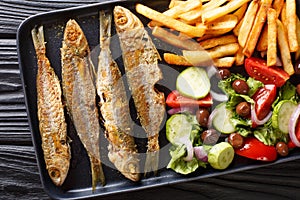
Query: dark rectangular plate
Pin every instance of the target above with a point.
(78, 182)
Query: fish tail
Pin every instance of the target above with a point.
(105, 18)
(97, 172)
(38, 40)
(152, 155)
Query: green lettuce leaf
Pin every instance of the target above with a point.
(179, 165)
(254, 85)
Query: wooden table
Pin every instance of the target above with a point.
(19, 176)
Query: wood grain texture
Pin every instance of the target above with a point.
(19, 175)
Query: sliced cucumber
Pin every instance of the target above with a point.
(221, 119)
(220, 155)
(178, 129)
(282, 114)
(193, 82)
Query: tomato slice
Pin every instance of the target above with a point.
(297, 132)
(255, 149)
(175, 99)
(257, 68)
(264, 97)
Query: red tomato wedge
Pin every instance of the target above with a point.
(256, 150)
(257, 68)
(264, 97)
(175, 99)
(297, 131)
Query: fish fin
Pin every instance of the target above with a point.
(97, 172)
(151, 163)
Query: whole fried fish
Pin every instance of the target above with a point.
(52, 125)
(114, 107)
(78, 82)
(140, 59)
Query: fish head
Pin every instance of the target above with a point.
(125, 20)
(58, 170)
(75, 39)
(127, 163)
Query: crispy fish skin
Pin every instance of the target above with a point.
(52, 125)
(114, 107)
(79, 90)
(140, 59)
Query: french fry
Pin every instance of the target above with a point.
(258, 24)
(167, 21)
(173, 59)
(247, 22)
(224, 62)
(262, 44)
(241, 11)
(207, 36)
(213, 4)
(237, 28)
(216, 52)
(175, 40)
(174, 3)
(192, 16)
(188, 5)
(216, 41)
(284, 49)
(297, 54)
(278, 5)
(231, 6)
(239, 57)
(222, 25)
(198, 58)
(291, 24)
(175, 11)
(272, 37)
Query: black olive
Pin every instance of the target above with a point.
(240, 86)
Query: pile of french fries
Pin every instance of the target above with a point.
(224, 32)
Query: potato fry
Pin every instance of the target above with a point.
(248, 22)
(175, 40)
(231, 6)
(170, 22)
(198, 58)
(207, 36)
(224, 62)
(182, 8)
(239, 57)
(237, 28)
(272, 37)
(213, 4)
(241, 11)
(222, 25)
(223, 50)
(284, 49)
(258, 24)
(173, 59)
(278, 5)
(291, 24)
(262, 44)
(192, 16)
(297, 54)
(216, 41)
(174, 3)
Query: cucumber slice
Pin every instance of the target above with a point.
(282, 114)
(221, 155)
(178, 129)
(221, 119)
(193, 82)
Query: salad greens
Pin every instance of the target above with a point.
(183, 130)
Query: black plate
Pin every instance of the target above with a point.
(78, 181)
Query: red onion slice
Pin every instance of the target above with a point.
(219, 97)
(190, 151)
(200, 153)
(210, 118)
(292, 126)
(255, 119)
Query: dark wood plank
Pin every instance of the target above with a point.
(13, 12)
